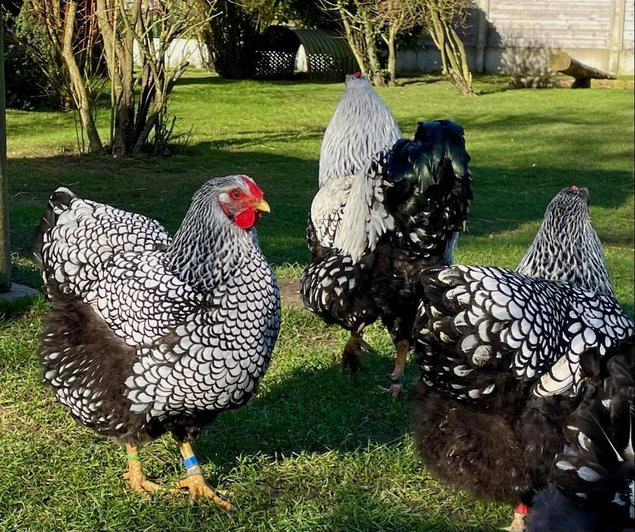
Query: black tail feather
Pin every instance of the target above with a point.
(428, 189)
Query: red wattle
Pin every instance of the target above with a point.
(521, 509)
(247, 219)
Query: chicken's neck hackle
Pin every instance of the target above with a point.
(209, 247)
(566, 247)
(361, 126)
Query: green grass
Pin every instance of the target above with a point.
(313, 450)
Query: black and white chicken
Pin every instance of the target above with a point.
(386, 207)
(149, 334)
(504, 355)
(592, 480)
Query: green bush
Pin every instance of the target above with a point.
(27, 87)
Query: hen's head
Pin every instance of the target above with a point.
(570, 205)
(566, 247)
(215, 234)
(238, 197)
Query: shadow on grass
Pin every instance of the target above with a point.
(11, 311)
(214, 80)
(161, 188)
(311, 411)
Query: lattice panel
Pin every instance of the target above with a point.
(274, 64)
(321, 63)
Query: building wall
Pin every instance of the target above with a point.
(180, 49)
(520, 35)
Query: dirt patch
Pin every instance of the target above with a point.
(290, 292)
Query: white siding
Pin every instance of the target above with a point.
(559, 23)
(629, 22)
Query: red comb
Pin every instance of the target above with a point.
(574, 187)
(356, 75)
(253, 188)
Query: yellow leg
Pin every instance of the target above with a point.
(402, 347)
(195, 481)
(134, 475)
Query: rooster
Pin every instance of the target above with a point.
(385, 208)
(149, 334)
(504, 355)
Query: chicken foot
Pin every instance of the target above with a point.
(397, 376)
(518, 522)
(195, 481)
(354, 349)
(134, 475)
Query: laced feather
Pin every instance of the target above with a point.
(539, 329)
(149, 329)
(566, 247)
(348, 214)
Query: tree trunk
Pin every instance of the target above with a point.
(370, 33)
(458, 62)
(438, 37)
(124, 130)
(120, 62)
(352, 41)
(452, 51)
(392, 56)
(5, 247)
(84, 105)
(564, 63)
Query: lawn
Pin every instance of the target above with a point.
(314, 450)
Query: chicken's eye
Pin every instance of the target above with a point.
(235, 194)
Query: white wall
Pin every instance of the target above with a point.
(189, 49)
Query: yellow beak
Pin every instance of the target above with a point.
(262, 205)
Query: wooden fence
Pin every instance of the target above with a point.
(519, 36)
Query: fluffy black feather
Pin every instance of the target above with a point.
(427, 187)
(593, 477)
(498, 454)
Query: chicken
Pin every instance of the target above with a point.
(386, 207)
(504, 355)
(592, 480)
(149, 334)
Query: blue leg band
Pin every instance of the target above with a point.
(190, 462)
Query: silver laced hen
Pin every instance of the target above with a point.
(503, 355)
(386, 207)
(150, 334)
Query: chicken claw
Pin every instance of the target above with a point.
(518, 522)
(140, 483)
(199, 487)
(354, 350)
(394, 390)
(397, 375)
